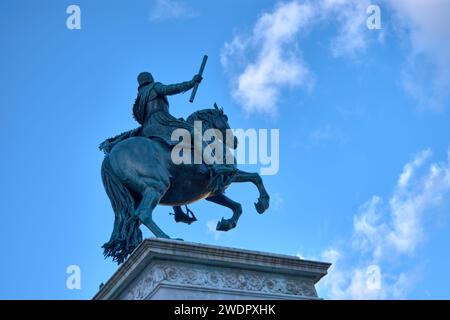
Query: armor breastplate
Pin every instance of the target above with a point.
(155, 104)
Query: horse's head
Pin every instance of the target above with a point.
(215, 119)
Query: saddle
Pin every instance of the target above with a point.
(157, 132)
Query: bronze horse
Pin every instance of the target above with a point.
(138, 174)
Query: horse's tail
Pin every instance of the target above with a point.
(126, 235)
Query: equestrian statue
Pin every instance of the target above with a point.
(138, 171)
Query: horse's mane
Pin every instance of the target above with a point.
(204, 114)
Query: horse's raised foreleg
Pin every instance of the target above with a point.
(227, 224)
(150, 199)
(263, 200)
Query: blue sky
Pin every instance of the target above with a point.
(363, 115)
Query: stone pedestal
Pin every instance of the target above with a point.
(178, 270)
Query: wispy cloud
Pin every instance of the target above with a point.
(325, 133)
(211, 229)
(383, 233)
(162, 10)
(268, 60)
(300, 256)
(422, 24)
(426, 75)
(276, 201)
(351, 17)
(276, 61)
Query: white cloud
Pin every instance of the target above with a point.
(170, 9)
(398, 228)
(425, 23)
(211, 228)
(410, 167)
(278, 63)
(269, 59)
(383, 233)
(325, 133)
(411, 202)
(351, 18)
(276, 201)
(321, 134)
(300, 256)
(426, 76)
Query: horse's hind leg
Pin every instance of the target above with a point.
(263, 200)
(227, 224)
(185, 217)
(150, 199)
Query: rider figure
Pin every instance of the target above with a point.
(151, 107)
(151, 110)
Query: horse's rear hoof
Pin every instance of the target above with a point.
(262, 204)
(225, 225)
(221, 225)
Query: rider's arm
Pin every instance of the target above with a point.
(170, 89)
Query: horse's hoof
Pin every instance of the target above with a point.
(225, 225)
(221, 225)
(262, 204)
(184, 218)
